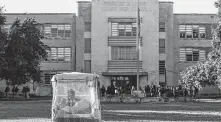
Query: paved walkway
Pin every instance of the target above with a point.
(48, 120)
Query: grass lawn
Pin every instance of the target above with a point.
(39, 111)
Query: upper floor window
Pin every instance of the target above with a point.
(57, 30)
(162, 46)
(161, 67)
(162, 27)
(87, 26)
(59, 55)
(192, 31)
(123, 53)
(87, 45)
(192, 54)
(123, 29)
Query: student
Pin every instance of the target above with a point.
(103, 90)
(7, 89)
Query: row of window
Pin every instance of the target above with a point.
(119, 50)
(192, 54)
(123, 29)
(61, 30)
(51, 30)
(129, 28)
(59, 55)
(192, 31)
(120, 29)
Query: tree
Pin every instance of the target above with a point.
(23, 52)
(3, 38)
(207, 72)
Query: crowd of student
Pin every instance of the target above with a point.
(15, 91)
(152, 91)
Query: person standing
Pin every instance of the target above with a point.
(13, 91)
(7, 89)
(16, 91)
(103, 90)
(26, 91)
(147, 90)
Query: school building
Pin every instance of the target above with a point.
(170, 42)
(102, 40)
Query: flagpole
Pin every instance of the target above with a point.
(138, 43)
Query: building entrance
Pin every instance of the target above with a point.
(124, 81)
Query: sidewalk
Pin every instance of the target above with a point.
(21, 98)
(117, 99)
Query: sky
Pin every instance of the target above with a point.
(70, 6)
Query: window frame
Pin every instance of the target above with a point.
(162, 49)
(123, 29)
(200, 54)
(51, 74)
(119, 53)
(200, 30)
(162, 67)
(87, 45)
(162, 27)
(54, 56)
(48, 30)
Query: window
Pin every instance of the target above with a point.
(162, 46)
(54, 30)
(87, 66)
(202, 32)
(61, 30)
(161, 67)
(195, 31)
(189, 32)
(53, 54)
(162, 27)
(87, 45)
(59, 55)
(182, 31)
(192, 54)
(47, 31)
(87, 26)
(123, 29)
(47, 78)
(192, 31)
(123, 53)
(67, 54)
(49, 75)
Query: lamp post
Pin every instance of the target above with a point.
(138, 44)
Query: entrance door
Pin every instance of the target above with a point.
(122, 81)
